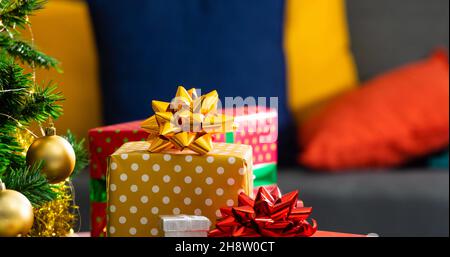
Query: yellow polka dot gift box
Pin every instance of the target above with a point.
(143, 185)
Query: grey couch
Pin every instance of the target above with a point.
(386, 202)
(389, 203)
(406, 202)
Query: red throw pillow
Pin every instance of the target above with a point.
(398, 116)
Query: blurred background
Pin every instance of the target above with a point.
(363, 91)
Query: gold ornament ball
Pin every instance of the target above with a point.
(57, 154)
(16, 213)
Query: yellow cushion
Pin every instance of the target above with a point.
(319, 62)
(63, 30)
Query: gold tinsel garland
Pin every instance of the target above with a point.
(58, 217)
(24, 138)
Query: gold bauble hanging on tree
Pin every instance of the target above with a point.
(16, 213)
(57, 154)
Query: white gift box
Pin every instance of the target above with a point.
(184, 225)
(186, 234)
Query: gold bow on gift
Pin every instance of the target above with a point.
(186, 122)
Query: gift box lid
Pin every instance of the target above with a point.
(230, 151)
(178, 223)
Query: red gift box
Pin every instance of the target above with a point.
(256, 128)
(105, 141)
(98, 219)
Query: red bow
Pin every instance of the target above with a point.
(269, 215)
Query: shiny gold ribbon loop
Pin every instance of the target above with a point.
(186, 122)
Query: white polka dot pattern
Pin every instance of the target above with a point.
(166, 178)
(144, 199)
(145, 178)
(177, 168)
(134, 167)
(199, 169)
(198, 190)
(145, 185)
(177, 189)
(166, 200)
(113, 166)
(209, 180)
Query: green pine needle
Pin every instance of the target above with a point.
(14, 12)
(26, 53)
(43, 104)
(9, 148)
(81, 153)
(30, 182)
(15, 86)
(21, 99)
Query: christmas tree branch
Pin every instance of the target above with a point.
(9, 147)
(43, 104)
(26, 53)
(13, 78)
(82, 156)
(31, 183)
(32, 103)
(15, 12)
